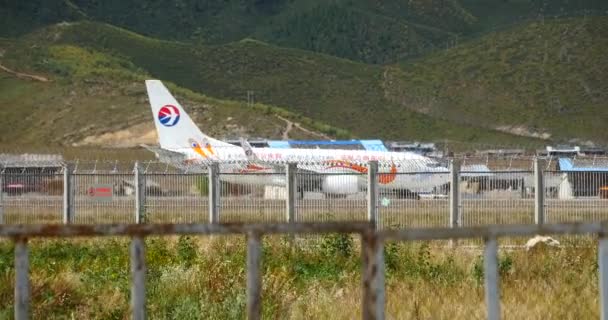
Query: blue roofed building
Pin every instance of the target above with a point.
(586, 175)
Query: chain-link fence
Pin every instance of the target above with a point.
(469, 192)
(498, 197)
(417, 207)
(252, 197)
(31, 197)
(330, 197)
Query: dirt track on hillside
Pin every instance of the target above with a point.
(290, 125)
(22, 75)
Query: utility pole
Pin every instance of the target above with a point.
(250, 98)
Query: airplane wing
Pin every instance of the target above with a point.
(176, 159)
(257, 162)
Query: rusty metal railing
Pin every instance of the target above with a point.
(372, 244)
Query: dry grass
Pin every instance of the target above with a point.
(204, 278)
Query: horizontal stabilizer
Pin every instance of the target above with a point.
(165, 155)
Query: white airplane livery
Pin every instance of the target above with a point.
(339, 172)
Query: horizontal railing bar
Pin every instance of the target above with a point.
(253, 174)
(73, 230)
(185, 174)
(413, 173)
(156, 173)
(102, 174)
(493, 174)
(582, 170)
(494, 231)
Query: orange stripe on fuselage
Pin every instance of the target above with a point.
(383, 178)
(386, 178)
(197, 148)
(210, 149)
(346, 165)
(200, 151)
(252, 168)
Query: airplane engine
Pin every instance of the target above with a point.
(340, 184)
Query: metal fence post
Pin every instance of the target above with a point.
(603, 277)
(214, 193)
(290, 171)
(455, 218)
(140, 194)
(22, 286)
(138, 272)
(539, 193)
(254, 277)
(68, 194)
(372, 193)
(490, 261)
(372, 252)
(1, 197)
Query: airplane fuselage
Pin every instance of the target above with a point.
(345, 170)
(332, 171)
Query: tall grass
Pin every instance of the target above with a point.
(319, 278)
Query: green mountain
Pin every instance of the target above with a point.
(68, 95)
(546, 78)
(362, 30)
(350, 95)
(532, 82)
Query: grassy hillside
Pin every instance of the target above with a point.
(366, 31)
(362, 30)
(344, 93)
(306, 82)
(491, 14)
(548, 77)
(91, 94)
(515, 82)
(358, 30)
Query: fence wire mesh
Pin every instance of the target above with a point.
(118, 208)
(31, 197)
(417, 207)
(490, 191)
(498, 197)
(176, 198)
(330, 197)
(243, 198)
(576, 196)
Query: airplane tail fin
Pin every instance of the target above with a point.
(175, 128)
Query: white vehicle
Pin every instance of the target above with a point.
(338, 172)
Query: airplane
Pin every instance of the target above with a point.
(334, 172)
